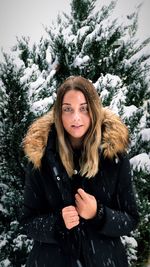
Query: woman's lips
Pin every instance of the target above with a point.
(76, 126)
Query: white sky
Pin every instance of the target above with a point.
(27, 17)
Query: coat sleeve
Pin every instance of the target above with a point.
(123, 219)
(39, 221)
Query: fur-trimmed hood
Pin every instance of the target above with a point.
(115, 137)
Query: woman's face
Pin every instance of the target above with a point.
(75, 116)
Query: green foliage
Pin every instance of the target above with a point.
(141, 179)
(15, 118)
(14, 109)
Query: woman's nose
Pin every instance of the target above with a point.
(76, 116)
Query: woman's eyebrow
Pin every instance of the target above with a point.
(83, 103)
(70, 104)
(66, 104)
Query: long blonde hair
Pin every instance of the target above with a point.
(89, 161)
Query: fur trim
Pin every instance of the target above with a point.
(34, 143)
(115, 136)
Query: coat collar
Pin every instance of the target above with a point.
(115, 136)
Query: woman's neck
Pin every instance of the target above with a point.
(76, 143)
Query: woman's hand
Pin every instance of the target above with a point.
(86, 204)
(70, 216)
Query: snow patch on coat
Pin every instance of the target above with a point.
(115, 136)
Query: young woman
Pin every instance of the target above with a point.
(78, 198)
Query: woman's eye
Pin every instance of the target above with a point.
(67, 109)
(84, 109)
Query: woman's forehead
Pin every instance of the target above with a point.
(73, 96)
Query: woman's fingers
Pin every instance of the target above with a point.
(86, 204)
(86, 207)
(69, 208)
(83, 195)
(70, 216)
(71, 225)
(78, 197)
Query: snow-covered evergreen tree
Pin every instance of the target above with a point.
(95, 44)
(15, 117)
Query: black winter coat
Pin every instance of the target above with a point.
(95, 242)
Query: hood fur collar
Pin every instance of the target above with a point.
(114, 136)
